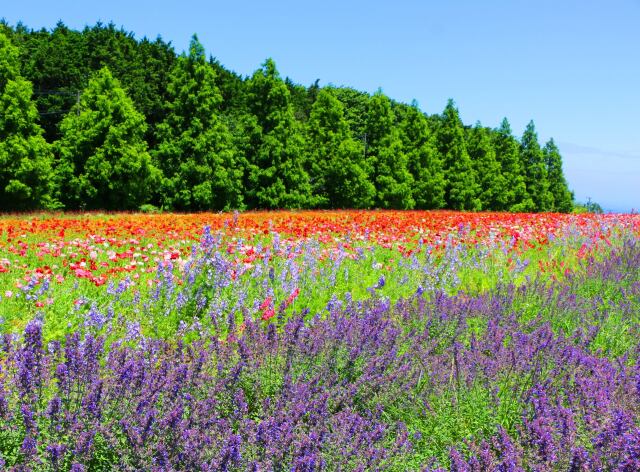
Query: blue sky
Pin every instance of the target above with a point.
(573, 66)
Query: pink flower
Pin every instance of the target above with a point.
(8, 294)
(268, 314)
(293, 296)
(83, 273)
(266, 303)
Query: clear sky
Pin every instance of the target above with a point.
(573, 66)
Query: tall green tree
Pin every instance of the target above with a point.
(102, 155)
(562, 196)
(156, 59)
(423, 160)
(142, 67)
(61, 61)
(337, 168)
(535, 170)
(488, 170)
(25, 156)
(302, 98)
(221, 137)
(9, 61)
(462, 190)
(514, 196)
(231, 85)
(278, 177)
(356, 104)
(55, 62)
(195, 149)
(386, 157)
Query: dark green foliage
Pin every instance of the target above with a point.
(514, 196)
(9, 61)
(224, 141)
(386, 157)
(25, 156)
(60, 63)
(195, 148)
(149, 91)
(55, 63)
(462, 190)
(302, 98)
(142, 67)
(535, 170)
(278, 178)
(356, 104)
(231, 86)
(337, 166)
(423, 161)
(488, 171)
(102, 155)
(562, 197)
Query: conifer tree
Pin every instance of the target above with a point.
(535, 170)
(461, 190)
(562, 197)
(9, 61)
(25, 157)
(385, 155)
(355, 104)
(229, 142)
(424, 163)
(490, 178)
(103, 160)
(514, 196)
(56, 61)
(277, 177)
(337, 167)
(195, 147)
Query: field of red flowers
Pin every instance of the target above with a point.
(351, 339)
(100, 247)
(60, 260)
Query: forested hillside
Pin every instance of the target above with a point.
(97, 119)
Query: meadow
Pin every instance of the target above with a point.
(320, 340)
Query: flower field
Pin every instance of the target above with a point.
(320, 341)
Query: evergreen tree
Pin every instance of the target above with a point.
(55, 63)
(562, 197)
(337, 167)
(356, 104)
(156, 60)
(103, 160)
(462, 189)
(385, 156)
(535, 170)
(9, 61)
(60, 62)
(231, 86)
(278, 178)
(424, 163)
(142, 67)
(490, 178)
(514, 196)
(227, 142)
(302, 98)
(25, 157)
(195, 147)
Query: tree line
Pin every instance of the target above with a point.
(96, 119)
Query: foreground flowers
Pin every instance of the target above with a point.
(262, 352)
